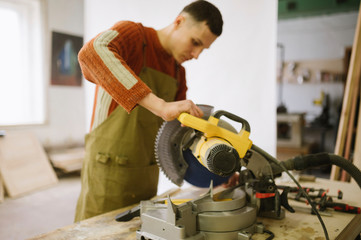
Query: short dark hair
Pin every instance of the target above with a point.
(201, 11)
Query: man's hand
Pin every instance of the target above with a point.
(232, 181)
(169, 111)
(172, 110)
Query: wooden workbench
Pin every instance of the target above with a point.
(300, 225)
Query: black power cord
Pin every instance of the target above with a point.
(270, 233)
(314, 209)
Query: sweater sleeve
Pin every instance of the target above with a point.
(103, 61)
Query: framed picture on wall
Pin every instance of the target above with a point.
(65, 69)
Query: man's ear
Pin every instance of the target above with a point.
(179, 21)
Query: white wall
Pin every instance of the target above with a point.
(315, 38)
(66, 104)
(236, 74)
(321, 37)
(65, 114)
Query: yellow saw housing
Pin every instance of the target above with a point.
(215, 137)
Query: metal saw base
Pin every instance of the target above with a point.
(225, 215)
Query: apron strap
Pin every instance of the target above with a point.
(176, 65)
(177, 73)
(144, 44)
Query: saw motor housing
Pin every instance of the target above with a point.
(217, 155)
(219, 149)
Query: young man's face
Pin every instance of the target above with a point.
(190, 38)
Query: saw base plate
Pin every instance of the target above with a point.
(225, 215)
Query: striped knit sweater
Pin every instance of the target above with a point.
(113, 61)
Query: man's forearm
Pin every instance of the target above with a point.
(153, 104)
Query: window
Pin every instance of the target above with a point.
(22, 62)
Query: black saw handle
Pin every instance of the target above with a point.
(245, 124)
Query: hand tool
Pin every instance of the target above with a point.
(326, 202)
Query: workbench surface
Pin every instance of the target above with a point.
(299, 225)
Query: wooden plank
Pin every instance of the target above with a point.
(24, 165)
(2, 192)
(98, 227)
(295, 226)
(350, 129)
(335, 67)
(352, 77)
(357, 152)
(285, 153)
(68, 160)
(103, 226)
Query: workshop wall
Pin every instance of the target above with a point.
(321, 37)
(315, 61)
(66, 104)
(65, 113)
(317, 39)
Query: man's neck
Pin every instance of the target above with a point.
(164, 37)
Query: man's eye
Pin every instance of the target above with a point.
(195, 43)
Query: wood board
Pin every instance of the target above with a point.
(68, 160)
(353, 77)
(2, 192)
(357, 153)
(24, 166)
(296, 226)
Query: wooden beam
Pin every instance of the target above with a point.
(2, 193)
(24, 165)
(350, 129)
(357, 152)
(352, 77)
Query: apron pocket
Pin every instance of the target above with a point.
(102, 157)
(121, 160)
(119, 186)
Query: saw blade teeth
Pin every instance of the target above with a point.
(166, 154)
(156, 150)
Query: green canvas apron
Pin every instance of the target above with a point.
(119, 168)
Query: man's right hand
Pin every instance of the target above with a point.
(169, 111)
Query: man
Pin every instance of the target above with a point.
(134, 65)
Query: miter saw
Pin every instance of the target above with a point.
(205, 152)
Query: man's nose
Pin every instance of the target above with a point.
(196, 52)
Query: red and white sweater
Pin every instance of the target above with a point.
(113, 60)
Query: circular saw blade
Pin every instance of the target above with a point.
(179, 164)
(168, 150)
